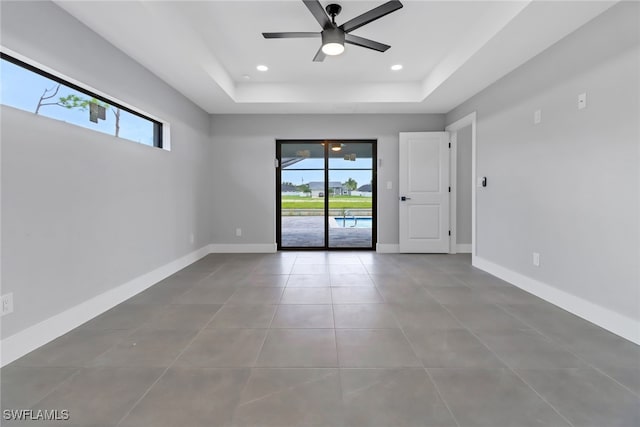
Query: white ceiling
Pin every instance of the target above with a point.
(450, 50)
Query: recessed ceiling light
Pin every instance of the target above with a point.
(246, 77)
(262, 68)
(396, 67)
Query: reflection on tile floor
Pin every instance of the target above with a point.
(332, 339)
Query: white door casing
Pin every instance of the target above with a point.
(424, 183)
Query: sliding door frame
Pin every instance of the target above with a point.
(374, 195)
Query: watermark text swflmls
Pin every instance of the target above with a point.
(35, 414)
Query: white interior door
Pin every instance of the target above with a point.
(424, 192)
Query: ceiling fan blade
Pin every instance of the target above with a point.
(362, 42)
(291, 35)
(318, 12)
(319, 56)
(372, 15)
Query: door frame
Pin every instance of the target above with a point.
(374, 190)
(453, 128)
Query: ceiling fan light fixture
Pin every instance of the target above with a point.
(332, 41)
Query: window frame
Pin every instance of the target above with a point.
(158, 126)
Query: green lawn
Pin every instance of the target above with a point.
(337, 202)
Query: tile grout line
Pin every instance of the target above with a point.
(286, 389)
(335, 332)
(275, 312)
(335, 340)
(444, 401)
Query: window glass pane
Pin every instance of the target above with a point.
(30, 91)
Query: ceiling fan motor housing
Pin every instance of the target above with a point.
(333, 35)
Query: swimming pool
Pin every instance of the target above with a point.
(357, 222)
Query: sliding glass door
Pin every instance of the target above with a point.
(326, 194)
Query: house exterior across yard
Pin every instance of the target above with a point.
(317, 188)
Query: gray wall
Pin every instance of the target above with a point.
(567, 188)
(463, 186)
(84, 212)
(244, 173)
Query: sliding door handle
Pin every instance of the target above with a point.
(404, 198)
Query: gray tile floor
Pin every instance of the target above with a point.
(332, 339)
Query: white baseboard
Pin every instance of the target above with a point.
(614, 322)
(463, 248)
(27, 340)
(250, 248)
(387, 248)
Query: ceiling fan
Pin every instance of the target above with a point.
(333, 36)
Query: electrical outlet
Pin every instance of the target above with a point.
(537, 117)
(238, 232)
(536, 259)
(582, 101)
(6, 306)
(389, 185)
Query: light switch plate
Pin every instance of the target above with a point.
(536, 259)
(6, 304)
